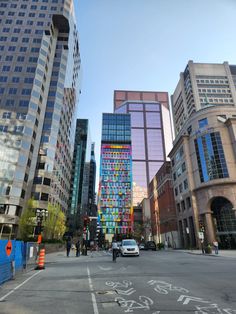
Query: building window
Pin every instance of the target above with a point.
(176, 191)
(180, 188)
(188, 201)
(6, 115)
(185, 184)
(202, 123)
(183, 205)
(44, 197)
(210, 157)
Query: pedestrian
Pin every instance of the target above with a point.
(215, 244)
(68, 247)
(202, 246)
(166, 245)
(114, 250)
(77, 246)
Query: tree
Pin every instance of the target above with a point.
(138, 231)
(55, 225)
(27, 221)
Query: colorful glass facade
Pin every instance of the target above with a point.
(115, 213)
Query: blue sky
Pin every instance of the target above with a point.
(144, 45)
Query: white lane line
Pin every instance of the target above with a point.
(95, 307)
(10, 292)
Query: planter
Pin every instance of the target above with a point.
(208, 250)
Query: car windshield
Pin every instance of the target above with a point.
(129, 242)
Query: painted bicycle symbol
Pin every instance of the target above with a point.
(163, 287)
(131, 305)
(117, 284)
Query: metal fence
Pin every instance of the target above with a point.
(16, 256)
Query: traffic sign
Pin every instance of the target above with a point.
(8, 248)
(201, 235)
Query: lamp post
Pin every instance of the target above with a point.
(40, 215)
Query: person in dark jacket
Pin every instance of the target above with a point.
(77, 245)
(68, 247)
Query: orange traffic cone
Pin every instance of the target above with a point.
(41, 259)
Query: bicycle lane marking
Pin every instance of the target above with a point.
(20, 285)
(94, 301)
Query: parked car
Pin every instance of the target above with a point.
(142, 246)
(150, 245)
(129, 247)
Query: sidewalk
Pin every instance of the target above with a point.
(222, 253)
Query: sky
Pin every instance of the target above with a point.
(144, 45)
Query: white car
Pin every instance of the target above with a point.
(129, 247)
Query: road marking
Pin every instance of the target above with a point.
(189, 298)
(10, 292)
(131, 305)
(127, 292)
(95, 307)
(105, 268)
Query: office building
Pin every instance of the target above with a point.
(115, 185)
(204, 154)
(151, 135)
(39, 85)
(82, 193)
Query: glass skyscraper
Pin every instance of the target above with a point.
(115, 213)
(39, 77)
(82, 194)
(150, 134)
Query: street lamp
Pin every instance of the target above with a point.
(40, 215)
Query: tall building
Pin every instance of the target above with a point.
(82, 193)
(151, 135)
(39, 83)
(204, 154)
(115, 197)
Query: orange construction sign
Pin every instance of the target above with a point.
(8, 248)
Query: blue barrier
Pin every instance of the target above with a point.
(12, 258)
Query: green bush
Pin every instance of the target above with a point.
(160, 246)
(208, 249)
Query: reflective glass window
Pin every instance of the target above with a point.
(210, 157)
(138, 107)
(153, 120)
(137, 119)
(139, 173)
(155, 145)
(138, 144)
(152, 107)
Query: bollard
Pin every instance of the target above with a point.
(41, 260)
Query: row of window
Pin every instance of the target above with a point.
(19, 115)
(182, 187)
(213, 81)
(213, 91)
(17, 128)
(184, 204)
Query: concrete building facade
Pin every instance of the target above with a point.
(203, 156)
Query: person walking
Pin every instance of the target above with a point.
(114, 250)
(202, 246)
(77, 246)
(216, 246)
(68, 247)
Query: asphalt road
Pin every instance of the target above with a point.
(155, 282)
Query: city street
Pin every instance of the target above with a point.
(155, 282)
